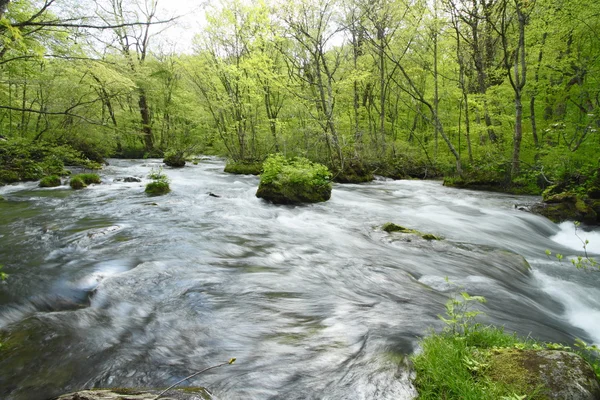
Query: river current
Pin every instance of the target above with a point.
(108, 287)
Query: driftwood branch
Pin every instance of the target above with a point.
(193, 375)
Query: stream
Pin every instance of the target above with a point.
(108, 287)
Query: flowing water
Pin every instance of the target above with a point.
(111, 288)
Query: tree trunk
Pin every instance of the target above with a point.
(146, 123)
(516, 163)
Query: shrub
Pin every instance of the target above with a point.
(50, 181)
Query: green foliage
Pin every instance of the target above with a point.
(584, 262)
(174, 158)
(456, 363)
(157, 188)
(3, 275)
(77, 182)
(90, 178)
(291, 181)
(591, 353)
(160, 183)
(50, 181)
(298, 170)
(243, 167)
(21, 160)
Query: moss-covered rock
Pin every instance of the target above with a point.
(50, 181)
(568, 205)
(175, 159)
(157, 188)
(549, 373)
(244, 167)
(81, 181)
(90, 178)
(21, 160)
(294, 181)
(77, 182)
(353, 172)
(390, 227)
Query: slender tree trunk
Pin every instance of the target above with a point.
(146, 122)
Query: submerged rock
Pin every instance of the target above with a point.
(128, 179)
(554, 375)
(134, 394)
(390, 227)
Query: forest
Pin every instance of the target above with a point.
(504, 92)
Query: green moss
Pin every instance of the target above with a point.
(89, 178)
(175, 159)
(50, 181)
(507, 367)
(2, 198)
(244, 167)
(157, 188)
(390, 227)
(294, 181)
(77, 182)
(354, 172)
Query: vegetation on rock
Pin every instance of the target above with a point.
(77, 182)
(50, 181)
(293, 181)
(390, 227)
(21, 160)
(159, 185)
(175, 159)
(244, 167)
(471, 361)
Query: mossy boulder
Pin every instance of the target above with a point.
(50, 181)
(244, 167)
(175, 159)
(549, 373)
(353, 172)
(294, 181)
(77, 183)
(568, 205)
(390, 227)
(157, 188)
(81, 181)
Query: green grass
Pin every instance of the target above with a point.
(459, 366)
(157, 188)
(90, 178)
(77, 182)
(50, 181)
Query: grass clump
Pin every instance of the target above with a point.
(50, 181)
(460, 362)
(159, 185)
(77, 182)
(81, 181)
